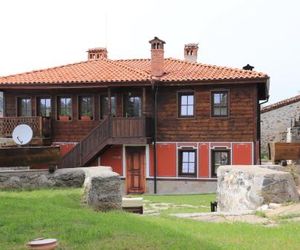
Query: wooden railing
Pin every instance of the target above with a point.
(98, 138)
(41, 126)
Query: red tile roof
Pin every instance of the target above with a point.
(136, 70)
(281, 104)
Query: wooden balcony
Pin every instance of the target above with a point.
(112, 130)
(41, 127)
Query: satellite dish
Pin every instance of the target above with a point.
(22, 134)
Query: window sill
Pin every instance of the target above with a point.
(188, 176)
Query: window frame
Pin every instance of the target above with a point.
(58, 106)
(179, 104)
(38, 98)
(19, 98)
(92, 116)
(213, 160)
(213, 106)
(180, 162)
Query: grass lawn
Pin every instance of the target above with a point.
(58, 213)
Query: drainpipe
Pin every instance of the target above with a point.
(259, 126)
(154, 93)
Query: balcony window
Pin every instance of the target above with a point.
(64, 108)
(44, 107)
(104, 106)
(85, 107)
(132, 105)
(1, 104)
(24, 107)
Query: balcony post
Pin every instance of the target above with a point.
(109, 100)
(144, 102)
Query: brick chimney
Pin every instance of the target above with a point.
(157, 57)
(97, 53)
(191, 52)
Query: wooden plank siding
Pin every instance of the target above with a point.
(240, 125)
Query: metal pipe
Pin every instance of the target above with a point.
(259, 126)
(154, 91)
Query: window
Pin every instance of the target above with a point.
(64, 108)
(104, 106)
(132, 105)
(187, 163)
(85, 107)
(186, 104)
(220, 103)
(219, 157)
(24, 106)
(44, 107)
(1, 104)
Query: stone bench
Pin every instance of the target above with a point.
(134, 205)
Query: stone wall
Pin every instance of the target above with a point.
(32, 179)
(275, 122)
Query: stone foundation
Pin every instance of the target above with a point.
(177, 186)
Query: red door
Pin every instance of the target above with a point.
(135, 164)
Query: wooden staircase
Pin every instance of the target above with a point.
(112, 130)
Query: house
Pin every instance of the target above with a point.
(280, 122)
(164, 124)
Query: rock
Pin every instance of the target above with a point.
(263, 208)
(274, 205)
(102, 190)
(273, 167)
(249, 187)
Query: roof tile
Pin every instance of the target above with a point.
(135, 70)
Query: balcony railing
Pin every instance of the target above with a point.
(41, 126)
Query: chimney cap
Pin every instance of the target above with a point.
(97, 49)
(191, 45)
(248, 67)
(156, 39)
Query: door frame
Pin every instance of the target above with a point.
(147, 163)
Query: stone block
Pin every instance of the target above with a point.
(102, 191)
(242, 188)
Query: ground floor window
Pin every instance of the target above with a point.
(219, 157)
(187, 163)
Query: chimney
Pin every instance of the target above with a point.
(191, 52)
(157, 57)
(97, 53)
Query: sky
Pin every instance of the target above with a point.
(37, 34)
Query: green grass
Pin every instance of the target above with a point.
(58, 213)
